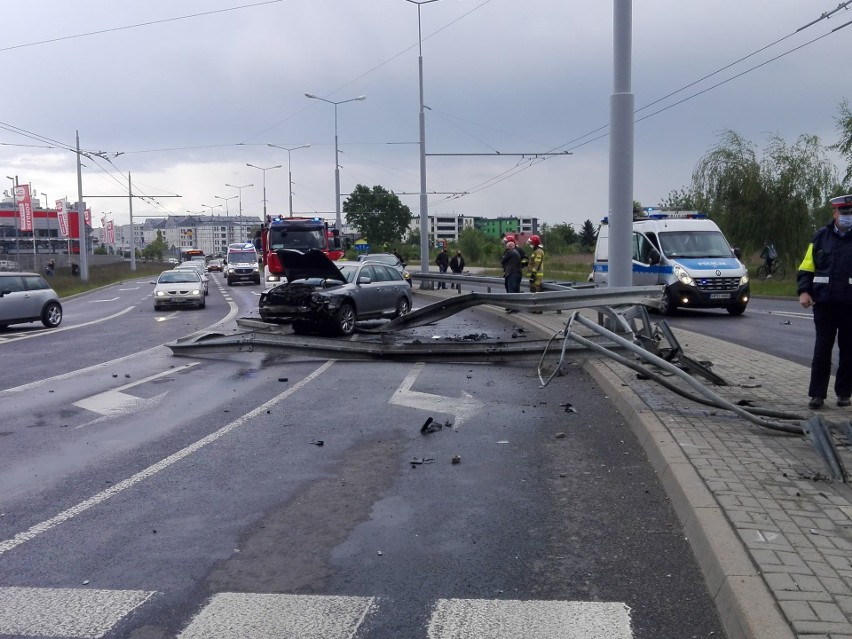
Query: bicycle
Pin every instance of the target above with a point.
(778, 271)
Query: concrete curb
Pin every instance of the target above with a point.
(745, 604)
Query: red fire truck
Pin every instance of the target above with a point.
(300, 234)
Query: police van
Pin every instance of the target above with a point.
(687, 254)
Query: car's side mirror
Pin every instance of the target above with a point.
(152, 282)
(364, 280)
(653, 257)
(736, 252)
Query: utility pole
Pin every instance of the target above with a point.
(81, 218)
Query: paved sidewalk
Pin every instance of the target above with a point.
(771, 534)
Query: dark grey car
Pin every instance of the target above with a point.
(27, 297)
(321, 295)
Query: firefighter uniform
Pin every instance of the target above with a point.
(825, 282)
(536, 269)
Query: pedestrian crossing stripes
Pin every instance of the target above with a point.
(85, 614)
(65, 612)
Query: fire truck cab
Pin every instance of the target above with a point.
(295, 233)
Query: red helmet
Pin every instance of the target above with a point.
(535, 240)
(509, 238)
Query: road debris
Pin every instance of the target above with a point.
(569, 408)
(416, 461)
(318, 442)
(456, 459)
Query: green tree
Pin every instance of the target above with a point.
(682, 200)
(155, 249)
(378, 214)
(780, 196)
(476, 246)
(844, 144)
(588, 235)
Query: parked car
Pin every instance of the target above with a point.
(215, 265)
(200, 269)
(179, 287)
(325, 296)
(27, 297)
(9, 265)
(389, 259)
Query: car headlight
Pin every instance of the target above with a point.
(684, 277)
(318, 299)
(272, 278)
(744, 280)
(160, 293)
(196, 291)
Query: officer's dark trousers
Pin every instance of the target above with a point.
(832, 320)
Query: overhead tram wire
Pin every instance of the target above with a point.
(516, 170)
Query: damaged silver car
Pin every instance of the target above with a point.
(329, 297)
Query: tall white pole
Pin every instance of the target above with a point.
(424, 202)
(81, 218)
(621, 150)
(132, 229)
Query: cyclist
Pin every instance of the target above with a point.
(769, 255)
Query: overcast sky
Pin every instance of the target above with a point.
(189, 91)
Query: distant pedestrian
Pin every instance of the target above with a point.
(457, 266)
(50, 269)
(825, 283)
(443, 262)
(769, 255)
(399, 257)
(535, 267)
(511, 262)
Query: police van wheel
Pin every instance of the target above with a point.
(736, 309)
(667, 304)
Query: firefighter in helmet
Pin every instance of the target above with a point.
(535, 267)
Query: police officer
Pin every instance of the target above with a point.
(825, 283)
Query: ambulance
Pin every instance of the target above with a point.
(687, 254)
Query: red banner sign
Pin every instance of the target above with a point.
(62, 216)
(25, 207)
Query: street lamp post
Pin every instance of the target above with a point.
(289, 171)
(227, 211)
(360, 98)
(269, 168)
(240, 191)
(424, 220)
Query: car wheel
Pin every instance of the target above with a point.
(736, 309)
(403, 307)
(229, 281)
(667, 304)
(344, 319)
(156, 307)
(51, 316)
(202, 304)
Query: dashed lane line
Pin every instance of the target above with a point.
(70, 513)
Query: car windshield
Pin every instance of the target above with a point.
(383, 259)
(694, 244)
(175, 277)
(296, 238)
(348, 272)
(242, 257)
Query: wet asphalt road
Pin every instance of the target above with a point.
(202, 475)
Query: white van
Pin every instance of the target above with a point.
(241, 264)
(686, 253)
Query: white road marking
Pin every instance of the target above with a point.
(135, 288)
(497, 619)
(98, 301)
(65, 612)
(232, 615)
(50, 331)
(462, 408)
(115, 402)
(166, 318)
(102, 496)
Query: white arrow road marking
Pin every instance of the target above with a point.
(115, 403)
(462, 408)
(166, 318)
(97, 301)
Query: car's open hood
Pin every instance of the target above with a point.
(313, 263)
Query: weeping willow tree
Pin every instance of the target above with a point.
(780, 195)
